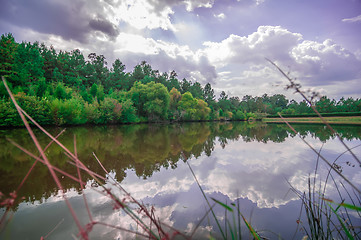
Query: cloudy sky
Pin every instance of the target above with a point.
(224, 42)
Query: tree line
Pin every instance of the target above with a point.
(65, 88)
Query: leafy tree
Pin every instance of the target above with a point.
(8, 114)
(239, 115)
(95, 70)
(86, 96)
(8, 48)
(235, 103)
(185, 86)
(100, 93)
(116, 78)
(110, 111)
(203, 110)
(57, 75)
(41, 87)
(28, 65)
(325, 105)
(224, 104)
(129, 113)
(68, 111)
(208, 93)
(196, 90)
(279, 100)
(151, 100)
(172, 81)
(49, 56)
(141, 70)
(223, 96)
(94, 90)
(175, 97)
(61, 91)
(187, 106)
(38, 108)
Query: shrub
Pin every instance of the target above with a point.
(92, 112)
(37, 108)
(110, 111)
(239, 115)
(8, 114)
(68, 112)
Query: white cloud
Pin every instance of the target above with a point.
(352, 20)
(314, 63)
(142, 14)
(192, 4)
(269, 41)
(220, 16)
(322, 63)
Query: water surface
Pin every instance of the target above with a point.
(253, 165)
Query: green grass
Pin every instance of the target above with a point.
(330, 120)
(333, 114)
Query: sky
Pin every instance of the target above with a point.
(223, 42)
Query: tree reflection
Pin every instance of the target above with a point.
(143, 148)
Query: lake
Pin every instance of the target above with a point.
(252, 165)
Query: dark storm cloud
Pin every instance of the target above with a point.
(104, 26)
(44, 17)
(68, 19)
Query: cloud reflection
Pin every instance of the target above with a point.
(254, 173)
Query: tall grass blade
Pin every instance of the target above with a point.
(223, 204)
(253, 232)
(209, 205)
(346, 205)
(348, 234)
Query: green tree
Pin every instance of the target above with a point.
(116, 79)
(187, 106)
(325, 105)
(172, 82)
(203, 110)
(61, 92)
(8, 48)
(151, 100)
(96, 70)
(196, 90)
(208, 93)
(41, 87)
(175, 97)
(110, 111)
(185, 86)
(94, 90)
(28, 65)
(49, 56)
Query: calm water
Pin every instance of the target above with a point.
(252, 164)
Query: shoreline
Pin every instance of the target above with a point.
(354, 120)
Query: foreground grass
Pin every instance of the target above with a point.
(331, 120)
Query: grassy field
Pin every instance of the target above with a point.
(332, 120)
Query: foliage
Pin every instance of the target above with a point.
(151, 100)
(143, 94)
(68, 111)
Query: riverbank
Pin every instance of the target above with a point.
(353, 120)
